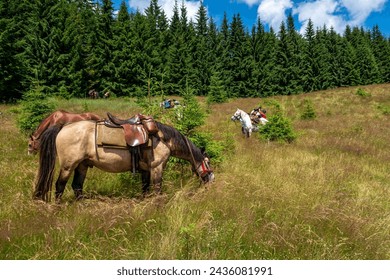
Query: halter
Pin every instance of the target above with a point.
(205, 168)
(237, 117)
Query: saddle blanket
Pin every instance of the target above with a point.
(110, 136)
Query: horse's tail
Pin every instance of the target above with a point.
(47, 161)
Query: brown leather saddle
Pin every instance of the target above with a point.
(136, 129)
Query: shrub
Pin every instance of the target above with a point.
(361, 92)
(191, 115)
(278, 128)
(34, 107)
(215, 150)
(308, 110)
(384, 109)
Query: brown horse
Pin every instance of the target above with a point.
(58, 117)
(80, 152)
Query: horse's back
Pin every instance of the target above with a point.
(76, 142)
(76, 139)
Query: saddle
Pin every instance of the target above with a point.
(136, 129)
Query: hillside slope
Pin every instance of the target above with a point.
(324, 196)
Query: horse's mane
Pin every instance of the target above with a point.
(179, 140)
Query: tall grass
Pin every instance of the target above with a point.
(324, 196)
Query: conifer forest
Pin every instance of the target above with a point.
(68, 47)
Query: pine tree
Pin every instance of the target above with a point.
(178, 54)
(122, 53)
(309, 58)
(238, 58)
(191, 115)
(217, 93)
(322, 57)
(222, 55)
(381, 52)
(365, 60)
(280, 74)
(295, 56)
(201, 53)
(13, 62)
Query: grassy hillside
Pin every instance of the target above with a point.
(324, 196)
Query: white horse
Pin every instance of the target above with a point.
(245, 121)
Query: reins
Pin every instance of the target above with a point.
(193, 159)
(192, 155)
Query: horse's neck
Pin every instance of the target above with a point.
(42, 127)
(185, 152)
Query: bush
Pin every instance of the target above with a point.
(34, 108)
(215, 150)
(308, 110)
(277, 129)
(361, 92)
(190, 116)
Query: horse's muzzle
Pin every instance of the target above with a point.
(208, 178)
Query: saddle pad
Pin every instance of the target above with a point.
(109, 136)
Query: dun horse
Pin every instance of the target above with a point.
(58, 117)
(81, 152)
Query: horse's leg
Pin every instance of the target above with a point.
(156, 177)
(78, 180)
(63, 178)
(145, 181)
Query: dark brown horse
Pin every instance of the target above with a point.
(58, 117)
(93, 94)
(79, 153)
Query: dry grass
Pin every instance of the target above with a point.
(325, 196)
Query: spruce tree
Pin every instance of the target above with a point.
(122, 53)
(381, 52)
(13, 63)
(201, 53)
(217, 93)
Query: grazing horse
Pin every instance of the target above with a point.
(258, 116)
(106, 94)
(76, 148)
(245, 121)
(58, 117)
(93, 94)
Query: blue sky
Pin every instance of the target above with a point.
(336, 13)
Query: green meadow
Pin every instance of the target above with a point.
(324, 196)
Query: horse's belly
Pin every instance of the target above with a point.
(112, 160)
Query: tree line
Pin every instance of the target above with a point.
(68, 47)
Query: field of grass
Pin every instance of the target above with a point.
(324, 196)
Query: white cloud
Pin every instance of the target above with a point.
(273, 12)
(167, 6)
(335, 13)
(361, 9)
(321, 12)
(250, 3)
(141, 5)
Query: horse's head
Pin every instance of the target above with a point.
(204, 170)
(236, 116)
(33, 145)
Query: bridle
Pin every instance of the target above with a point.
(206, 170)
(236, 117)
